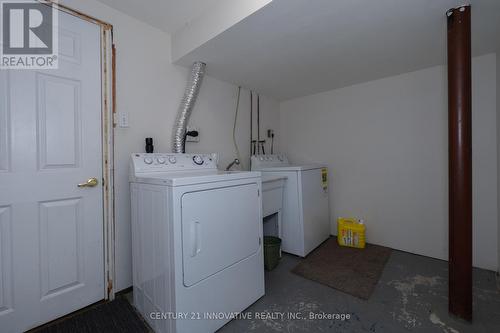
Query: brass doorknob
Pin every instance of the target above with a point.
(91, 182)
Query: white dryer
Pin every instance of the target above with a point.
(306, 214)
(196, 239)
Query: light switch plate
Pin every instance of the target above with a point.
(123, 120)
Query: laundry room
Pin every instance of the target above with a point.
(249, 166)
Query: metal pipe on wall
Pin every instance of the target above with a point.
(186, 107)
(460, 161)
(258, 124)
(251, 122)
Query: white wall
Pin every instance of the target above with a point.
(212, 22)
(385, 143)
(214, 114)
(149, 89)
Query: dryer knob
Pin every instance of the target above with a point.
(172, 159)
(160, 160)
(148, 160)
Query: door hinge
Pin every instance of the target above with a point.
(258, 192)
(260, 240)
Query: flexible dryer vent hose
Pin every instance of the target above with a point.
(186, 107)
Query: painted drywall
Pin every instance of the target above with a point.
(166, 15)
(385, 143)
(212, 22)
(294, 48)
(214, 114)
(149, 89)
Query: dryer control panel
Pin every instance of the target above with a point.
(268, 161)
(169, 162)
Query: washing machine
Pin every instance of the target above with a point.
(306, 215)
(196, 241)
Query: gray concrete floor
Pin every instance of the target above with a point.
(410, 296)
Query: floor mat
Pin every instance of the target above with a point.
(353, 271)
(117, 316)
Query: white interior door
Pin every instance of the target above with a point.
(51, 231)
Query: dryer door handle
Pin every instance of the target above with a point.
(195, 238)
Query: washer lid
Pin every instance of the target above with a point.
(181, 178)
(294, 167)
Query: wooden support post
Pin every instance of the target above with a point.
(460, 162)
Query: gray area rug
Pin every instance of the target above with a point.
(353, 271)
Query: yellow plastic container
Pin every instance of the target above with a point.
(351, 232)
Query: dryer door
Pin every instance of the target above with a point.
(220, 227)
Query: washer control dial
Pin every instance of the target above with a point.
(172, 159)
(148, 160)
(160, 160)
(198, 160)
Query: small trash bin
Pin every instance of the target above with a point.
(272, 252)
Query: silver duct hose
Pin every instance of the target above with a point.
(187, 104)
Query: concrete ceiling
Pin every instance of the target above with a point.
(292, 48)
(167, 15)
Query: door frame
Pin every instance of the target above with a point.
(108, 105)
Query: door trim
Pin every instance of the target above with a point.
(108, 103)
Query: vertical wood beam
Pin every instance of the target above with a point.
(460, 162)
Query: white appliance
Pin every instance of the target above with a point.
(196, 239)
(306, 214)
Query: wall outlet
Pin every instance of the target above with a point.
(192, 138)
